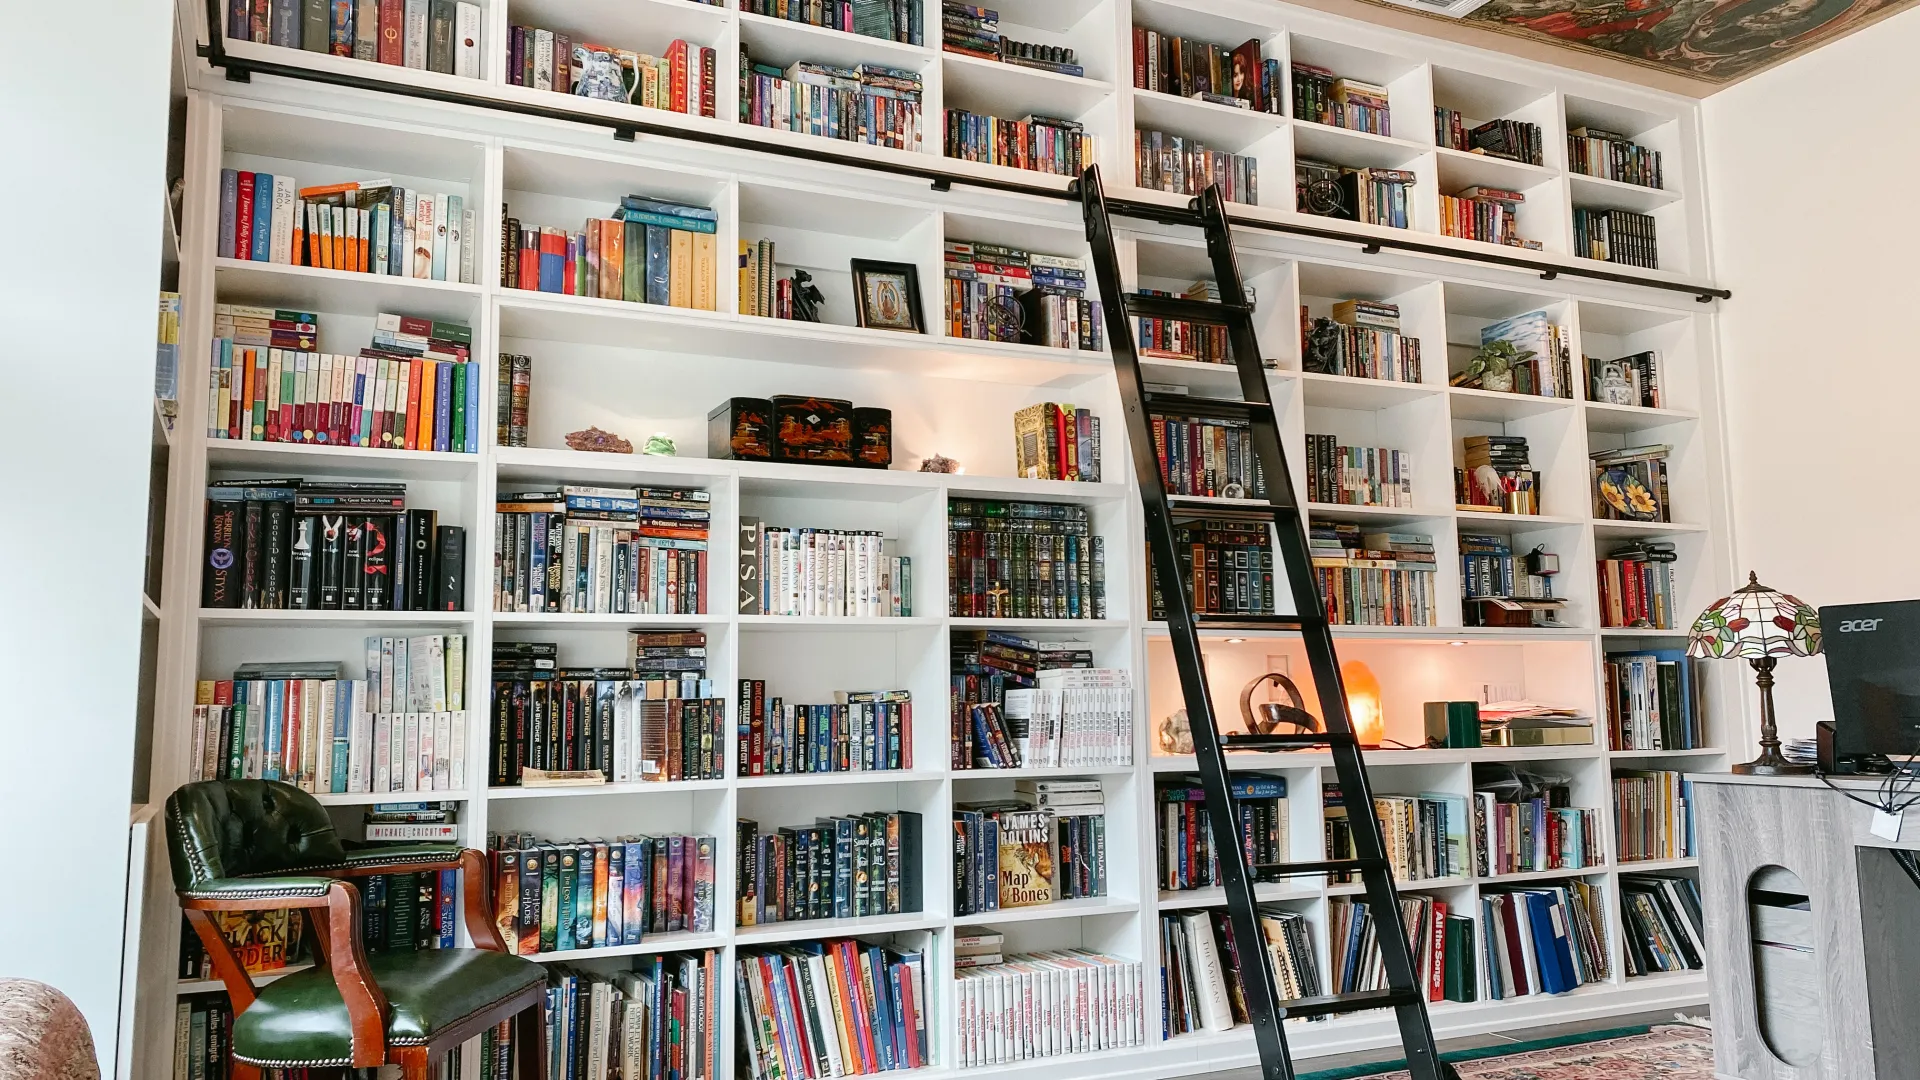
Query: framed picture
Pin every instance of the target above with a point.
(887, 296)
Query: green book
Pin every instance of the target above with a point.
(403, 900)
(569, 875)
(1461, 976)
(549, 898)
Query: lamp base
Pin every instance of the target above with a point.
(1771, 763)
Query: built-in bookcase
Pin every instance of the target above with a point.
(638, 369)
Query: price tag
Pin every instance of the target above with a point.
(1887, 826)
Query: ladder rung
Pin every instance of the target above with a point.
(1179, 307)
(1358, 1001)
(1209, 621)
(1268, 871)
(1187, 506)
(1288, 740)
(1187, 405)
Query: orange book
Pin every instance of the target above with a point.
(413, 404)
(429, 373)
(324, 190)
(677, 63)
(612, 243)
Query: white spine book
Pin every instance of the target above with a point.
(409, 757)
(623, 733)
(424, 227)
(403, 676)
(414, 51)
(817, 972)
(543, 59)
(322, 764)
(455, 218)
(383, 752)
(309, 731)
(456, 670)
(466, 44)
(1209, 979)
(199, 758)
(437, 672)
(469, 247)
(285, 203)
(443, 751)
(440, 237)
(407, 205)
(360, 746)
(419, 677)
(457, 755)
(256, 728)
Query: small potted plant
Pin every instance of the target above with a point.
(1492, 367)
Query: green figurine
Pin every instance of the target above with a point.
(659, 444)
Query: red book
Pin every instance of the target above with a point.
(1140, 57)
(677, 65)
(1437, 961)
(529, 260)
(709, 81)
(243, 219)
(789, 969)
(393, 19)
(411, 439)
(903, 990)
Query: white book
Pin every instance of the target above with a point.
(414, 52)
(409, 209)
(439, 272)
(437, 672)
(456, 213)
(309, 731)
(443, 751)
(456, 670)
(321, 768)
(360, 744)
(383, 701)
(623, 733)
(468, 247)
(457, 753)
(410, 751)
(817, 973)
(424, 227)
(466, 57)
(1209, 979)
(199, 751)
(419, 680)
(382, 752)
(285, 202)
(632, 1035)
(350, 225)
(256, 728)
(543, 60)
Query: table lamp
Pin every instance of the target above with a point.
(1759, 625)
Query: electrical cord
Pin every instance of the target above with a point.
(1893, 790)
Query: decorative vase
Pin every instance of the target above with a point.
(1501, 383)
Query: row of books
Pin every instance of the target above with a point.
(559, 896)
(1372, 196)
(1032, 1006)
(1528, 835)
(601, 550)
(1629, 380)
(202, 1037)
(1353, 944)
(685, 80)
(829, 572)
(1636, 586)
(1208, 457)
(1488, 569)
(1236, 76)
(1653, 701)
(1189, 857)
(408, 390)
(1546, 368)
(1056, 442)
(1595, 152)
(659, 1018)
(1386, 582)
(889, 20)
(998, 293)
(1323, 97)
(1653, 815)
(975, 31)
(1514, 140)
(985, 664)
(1616, 236)
(1547, 940)
(1630, 483)
(651, 251)
(1200, 967)
(1012, 853)
(1226, 568)
(1661, 917)
(366, 226)
(763, 292)
(513, 397)
(1497, 474)
(878, 106)
(657, 720)
(1357, 475)
(1035, 142)
(1072, 717)
(426, 35)
(1178, 339)
(861, 731)
(1360, 350)
(838, 1007)
(1024, 560)
(261, 941)
(1489, 215)
(284, 543)
(843, 866)
(1186, 166)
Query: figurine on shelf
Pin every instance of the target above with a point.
(807, 297)
(938, 464)
(1176, 734)
(604, 442)
(659, 444)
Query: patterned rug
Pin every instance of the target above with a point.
(1667, 1052)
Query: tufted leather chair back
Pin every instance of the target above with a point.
(242, 828)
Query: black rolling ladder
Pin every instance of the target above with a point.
(1265, 1007)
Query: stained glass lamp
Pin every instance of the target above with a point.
(1759, 625)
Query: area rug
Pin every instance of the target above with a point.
(1667, 1052)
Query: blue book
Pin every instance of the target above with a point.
(1490, 958)
(473, 407)
(666, 221)
(635, 892)
(443, 901)
(659, 264)
(583, 898)
(273, 728)
(616, 894)
(237, 748)
(875, 962)
(342, 726)
(1354, 934)
(553, 271)
(671, 209)
(841, 830)
(1549, 944)
(397, 253)
(229, 204)
(262, 218)
(442, 405)
(563, 861)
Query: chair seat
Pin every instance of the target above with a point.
(301, 1021)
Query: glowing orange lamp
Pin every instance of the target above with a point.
(1363, 703)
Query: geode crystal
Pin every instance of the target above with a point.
(605, 442)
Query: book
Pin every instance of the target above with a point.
(841, 866)
(995, 549)
(621, 889)
(1186, 166)
(1660, 915)
(1365, 344)
(1373, 196)
(1017, 853)
(1511, 140)
(1636, 585)
(1035, 143)
(625, 256)
(998, 293)
(1212, 458)
(573, 548)
(1184, 67)
(1187, 852)
(1653, 701)
(1357, 475)
(832, 573)
(1106, 990)
(1226, 568)
(1612, 156)
(871, 104)
(261, 941)
(1056, 442)
(1525, 828)
(1616, 236)
(1628, 380)
(836, 1006)
(1653, 815)
(860, 731)
(680, 81)
(1488, 215)
(361, 31)
(1547, 940)
(1322, 97)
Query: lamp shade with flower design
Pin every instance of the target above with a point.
(1759, 625)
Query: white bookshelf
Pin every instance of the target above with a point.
(637, 369)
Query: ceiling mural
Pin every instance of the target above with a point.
(1716, 40)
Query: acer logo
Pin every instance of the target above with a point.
(1860, 626)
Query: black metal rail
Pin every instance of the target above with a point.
(241, 69)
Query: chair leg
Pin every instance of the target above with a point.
(240, 1070)
(414, 1062)
(530, 1035)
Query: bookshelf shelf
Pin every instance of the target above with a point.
(1348, 392)
(1354, 148)
(1633, 530)
(1526, 876)
(1059, 909)
(215, 986)
(342, 291)
(282, 619)
(1626, 419)
(368, 798)
(802, 930)
(1461, 168)
(1265, 892)
(644, 25)
(1629, 866)
(1617, 194)
(1011, 91)
(1489, 519)
(678, 941)
(1042, 626)
(597, 621)
(1493, 406)
(783, 42)
(665, 787)
(849, 624)
(1220, 127)
(1631, 755)
(1632, 632)
(1041, 772)
(347, 461)
(834, 779)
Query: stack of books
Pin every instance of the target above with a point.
(1322, 97)
(364, 226)
(1512, 140)
(1444, 963)
(1357, 475)
(1373, 586)
(1630, 483)
(862, 731)
(1616, 236)
(889, 20)
(1036, 143)
(1652, 815)
(1379, 196)
(1056, 442)
(1074, 716)
(1529, 723)
(997, 551)
(682, 81)
(1630, 380)
(1488, 570)
(651, 251)
(1185, 166)
(440, 36)
(1178, 339)
(656, 720)
(1226, 568)
(835, 1007)
(988, 663)
(1427, 836)
(994, 1004)
(1016, 853)
(1189, 857)
(975, 31)
(1361, 340)
(837, 573)
(558, 896)
(1594, 152)
(621, 551)
(1664, 927)
(1544, 941)
(660, 1017)
(871, 104)
(1653, 701)
(1518, 831)
(1207, 458)
(1234, 76)
(843, 866)
(1487, 214)
(1497, 476)
(1636, 585)
(997, 293)
(1200, 966)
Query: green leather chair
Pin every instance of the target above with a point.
(251, 845)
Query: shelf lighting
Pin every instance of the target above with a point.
(1363, 703)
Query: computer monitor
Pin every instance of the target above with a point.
(1873, 673)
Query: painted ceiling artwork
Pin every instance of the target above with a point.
(1716, 40)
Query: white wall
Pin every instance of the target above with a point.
(1810, 170)
(84, 140)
